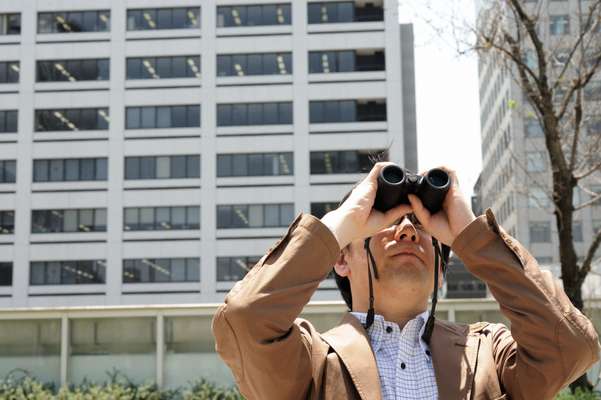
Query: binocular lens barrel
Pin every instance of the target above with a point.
(395, 184)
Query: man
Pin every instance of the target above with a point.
(275, 355)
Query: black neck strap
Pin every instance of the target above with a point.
(371, 264)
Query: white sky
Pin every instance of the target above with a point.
(446, 84)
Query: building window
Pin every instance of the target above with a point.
(9, 71)
(8, 121)
(162, 167)
(560, 24)
(321, 209)
(540, 232)
(7, 222)
(346, 161)
(6, 274)
(10, 24)
(159, 270)
(596, 189)
(72, 119)
(8, 171)
(93, 69)
(592, 91)
(163, 18)
(254, 215)
(161, 218)
(344, 11)
(577, 231)
(253, 15)
(538, 198)
(70, 169)
(241, 114)
(68, 272)
(533, 127)
(254, 164)
(593, 126)
(324, 62)
(74, 21)
(72, 220)
(231, 269)
(535, 161)
(347, 111)
(163, 67)
(157, 117)
(254, 64)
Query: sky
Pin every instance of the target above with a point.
(446, 84)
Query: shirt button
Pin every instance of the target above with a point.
(403, 365)
(388, 329)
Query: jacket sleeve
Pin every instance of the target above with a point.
(551, 343)
(269, 353)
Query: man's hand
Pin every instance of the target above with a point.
(355, 218)
(455, 215)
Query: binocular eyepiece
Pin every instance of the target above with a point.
(395, 183)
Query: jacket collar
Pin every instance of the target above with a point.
(454, 352)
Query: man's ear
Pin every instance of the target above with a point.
(341, 267)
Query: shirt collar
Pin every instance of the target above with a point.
(377, 330)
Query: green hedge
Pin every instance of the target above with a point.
(19, 385)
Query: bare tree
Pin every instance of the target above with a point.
(557, 77)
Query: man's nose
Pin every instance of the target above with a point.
(405, 231)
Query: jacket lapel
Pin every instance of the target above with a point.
(351, 343)
(454, 354)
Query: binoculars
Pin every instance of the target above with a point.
(395, 183)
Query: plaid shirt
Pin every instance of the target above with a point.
(403, 358)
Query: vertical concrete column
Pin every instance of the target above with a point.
(300, 106)
(116, 145)
(208, 46)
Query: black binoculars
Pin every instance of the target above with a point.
(395, 183)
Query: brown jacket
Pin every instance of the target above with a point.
(275, 355)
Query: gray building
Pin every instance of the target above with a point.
(151, 152)
(515, 180)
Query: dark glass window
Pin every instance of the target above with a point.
(345, 162)
(7, 222)
(10, 24)
(8, 171)
(254, 15)
(162, 167)
(8, 121)
(540, 232)
(74, 21)
(73, 220)
(161, 218)
(73, 119)
(163, 67)
(255, 164)
(145, 270)
(72, 169)
(344, 11)
(163, 18)
(323, 62)
(73, 70)
(9, 71)
(6, 274)
(241, 114)
(254, 64)
(230, 269)
(347, 111)
(321, 209)
(152, 117)
(254, 215)
(68, 272)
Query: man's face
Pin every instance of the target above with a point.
(404, 259)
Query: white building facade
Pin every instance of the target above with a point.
(149, 153)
